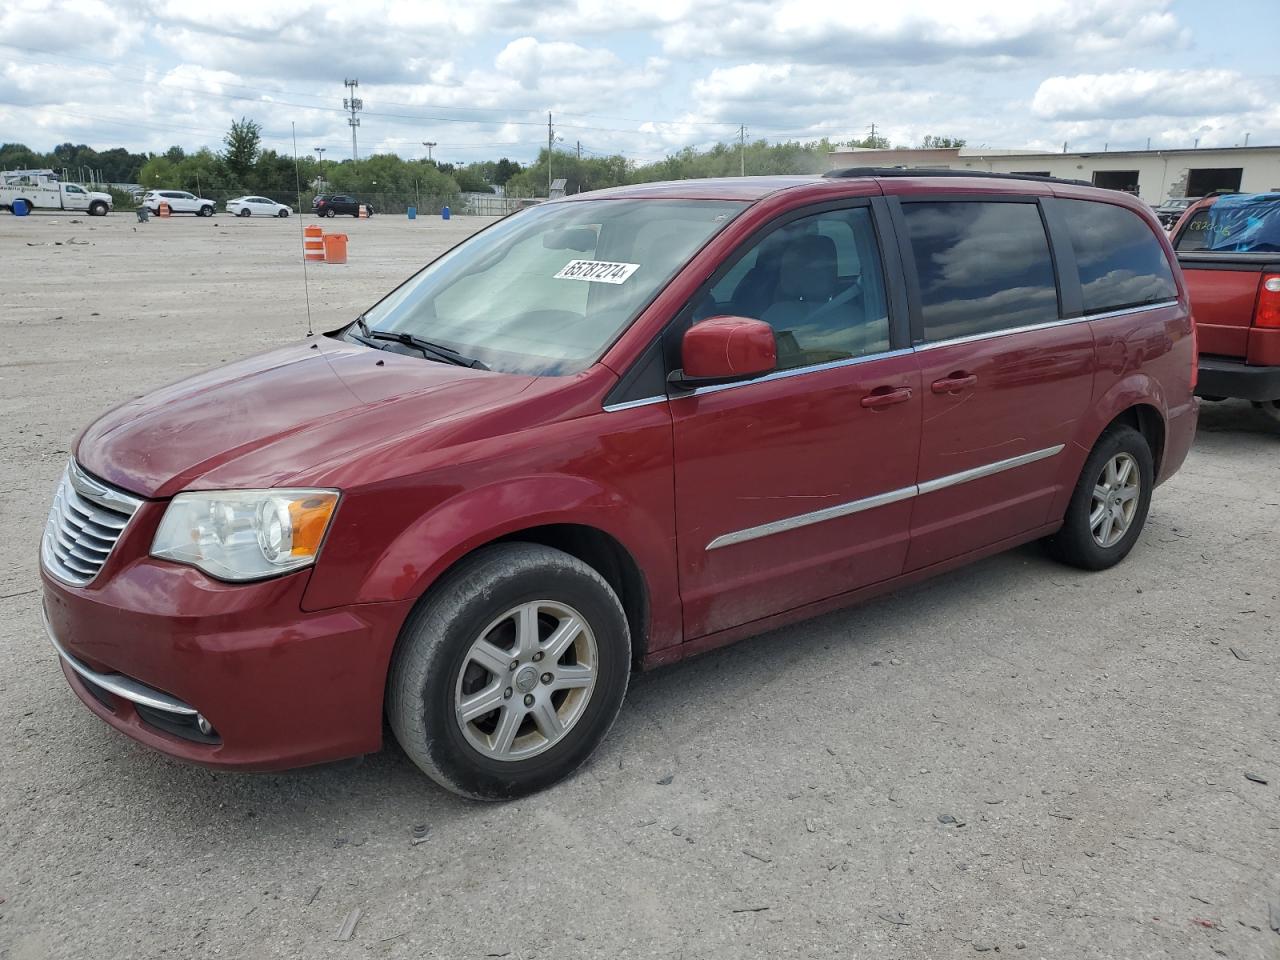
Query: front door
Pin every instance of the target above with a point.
(797, 486)
(1005, 380)
(74, 198)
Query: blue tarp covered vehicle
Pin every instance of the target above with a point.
(1236, 223)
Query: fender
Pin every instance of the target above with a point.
(428, 546)
(1129, 391)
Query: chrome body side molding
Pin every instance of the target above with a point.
(881, 499)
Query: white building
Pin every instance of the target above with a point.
(1153, 175)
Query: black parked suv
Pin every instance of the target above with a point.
(331, 206)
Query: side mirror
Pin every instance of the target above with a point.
(725, 349)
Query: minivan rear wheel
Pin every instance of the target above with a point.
(1109, 505)
(510, 671)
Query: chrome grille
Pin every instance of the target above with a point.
(84, 524)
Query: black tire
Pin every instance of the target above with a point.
(1075, 544)
(244, 213)
(97, 209)
(1271, 408)
(330, 212)
(282, 214)
(206, 211)
(433, 650)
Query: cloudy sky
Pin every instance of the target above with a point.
(638, 77)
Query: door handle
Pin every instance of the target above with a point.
(882, 397)
(954, 383)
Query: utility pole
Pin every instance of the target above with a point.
(550, 134)
(1246, 139)
(320, 155)
(1148, 143)
(580, 146)
(428, 144)
(353, 104)
(742, 150)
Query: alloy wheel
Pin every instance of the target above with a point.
(526, 680)
(1115, 500)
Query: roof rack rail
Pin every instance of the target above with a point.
(940, 172)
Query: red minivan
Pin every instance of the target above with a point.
(610, 432)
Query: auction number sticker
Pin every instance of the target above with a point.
(597, 271)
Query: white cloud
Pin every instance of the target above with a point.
(106, 29)
(1146, 93)
(531, 62)
(927, 31)
(478, 77)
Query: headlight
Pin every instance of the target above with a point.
(245, 534)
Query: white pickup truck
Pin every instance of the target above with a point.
(42, 190)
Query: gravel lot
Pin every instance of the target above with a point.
(1088, 734)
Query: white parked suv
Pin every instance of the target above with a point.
(179, 202)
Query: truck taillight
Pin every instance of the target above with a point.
(1267, 313)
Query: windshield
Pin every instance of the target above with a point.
(546, 291)
(1240, 223)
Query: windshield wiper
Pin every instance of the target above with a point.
(432, 351)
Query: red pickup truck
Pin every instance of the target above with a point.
(1229, 249)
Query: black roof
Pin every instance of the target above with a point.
(850, 172)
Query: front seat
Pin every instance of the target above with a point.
(807, 280)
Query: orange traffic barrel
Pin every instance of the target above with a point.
(163, 209)
(313, 243)
(335, 248)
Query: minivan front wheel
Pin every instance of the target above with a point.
(1109, 505)
(510, 672)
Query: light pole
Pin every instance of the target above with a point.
(429, 144)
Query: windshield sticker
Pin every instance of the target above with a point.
(597, 271)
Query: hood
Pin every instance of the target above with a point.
(266, 420)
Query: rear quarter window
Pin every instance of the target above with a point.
(1120, 260)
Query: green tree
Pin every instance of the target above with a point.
(159, 173)
(871, 142)
(503, 171)
(937, 143)
(471, 180)
(17, 156)
(242, 142)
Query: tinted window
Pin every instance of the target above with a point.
(1121, 262)
(982, 267)
(817, 282)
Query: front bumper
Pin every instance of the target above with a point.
(1223, 377)
(157, 644)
